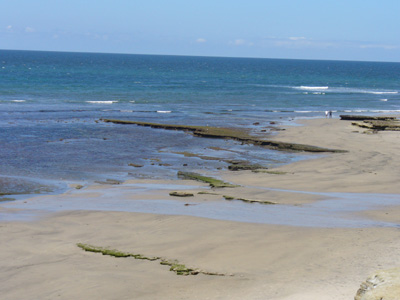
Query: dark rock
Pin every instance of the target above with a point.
(181, 194)
(135, 165)
(240, 167)
(364, 118)
(110, 181)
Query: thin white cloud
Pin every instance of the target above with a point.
(9, 27)
(297, 38)
(304, 43)
(201, 40)
(379, 46)
(297, 42)
(29, 29)
(241, 42)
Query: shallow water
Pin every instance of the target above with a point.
(337, 211)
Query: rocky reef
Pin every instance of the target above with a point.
(365, 118)
(229, 133)
(373, 123)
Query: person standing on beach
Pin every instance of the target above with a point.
(330, 114)
(326, 113)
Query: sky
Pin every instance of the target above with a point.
(299, 29)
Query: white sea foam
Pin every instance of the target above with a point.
(361, 91)
(18, 100)
(382, 93)
(383, 100)
(346, 90)
(164, 111)
(312, 88)
(101, 102)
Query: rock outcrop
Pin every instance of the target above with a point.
(229, 133)
(374, 125)
(383, 285)
(364, 118)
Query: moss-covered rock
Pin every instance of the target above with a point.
(213, 182)
(175, 266)
(245, 166)
(248, 200)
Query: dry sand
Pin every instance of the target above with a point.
(40, 259)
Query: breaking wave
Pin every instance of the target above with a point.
(101, 102)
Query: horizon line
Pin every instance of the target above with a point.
(189, 55)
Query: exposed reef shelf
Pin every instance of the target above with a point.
(229, 133)
(389, 125)
(374, 123)
(364, 118)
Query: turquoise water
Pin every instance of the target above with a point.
(50, 104)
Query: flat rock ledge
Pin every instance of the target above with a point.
(364, 118)
(383, 285)
(373, 123)
(229, 133)
(389, 125)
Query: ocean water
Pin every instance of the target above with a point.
(51, 104)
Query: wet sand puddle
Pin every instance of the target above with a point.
(337, 211)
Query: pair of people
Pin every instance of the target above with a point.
(328, 114)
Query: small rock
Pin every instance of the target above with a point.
(181, 194)
(381, 285)
(135, 165)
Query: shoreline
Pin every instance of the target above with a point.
(266, 261)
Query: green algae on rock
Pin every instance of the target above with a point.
(270, 172)
(175, 266)
(248, 200)
(245, 166)
(213, 182)
(113, 252)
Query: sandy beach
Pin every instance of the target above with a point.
(40, 259)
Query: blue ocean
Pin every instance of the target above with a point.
(52, 103)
